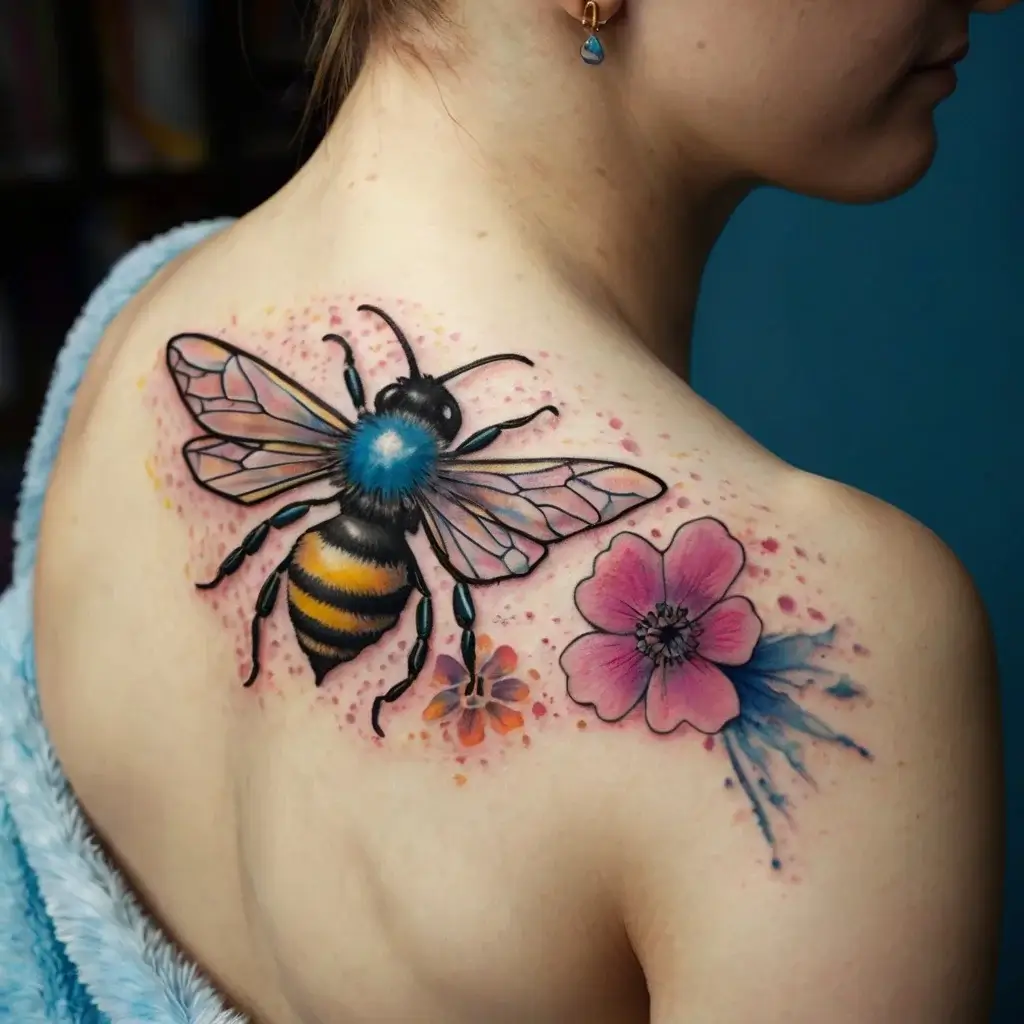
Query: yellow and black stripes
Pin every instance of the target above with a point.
(348, 582)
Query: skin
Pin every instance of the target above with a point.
(495, 195)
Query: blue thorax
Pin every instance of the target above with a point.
(390, 454)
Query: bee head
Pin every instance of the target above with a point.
(425, 399)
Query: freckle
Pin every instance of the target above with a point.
(787, 604)
(709, 742)
(821, 558)
(800, 553)
(581, 725)
(526, 740)
(533, 674)
(615, 423)
(801, 579)
(858, 649)
(701, 45)
(539, 711)
(815, 614)
(529, 616)
(460, 780)
(696, 476)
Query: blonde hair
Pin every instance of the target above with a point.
(342, 34)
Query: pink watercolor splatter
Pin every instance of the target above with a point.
(615, 423)
(787, 604)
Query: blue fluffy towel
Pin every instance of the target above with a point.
(74, 944)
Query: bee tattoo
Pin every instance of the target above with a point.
(393, 469)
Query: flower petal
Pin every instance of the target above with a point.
(701, 564)
(607, 673)
(449, 672)
(510, 690)
(471, 727)
(729, 631)
(442, 705)
(484, 646)
(693, 691)
(628, 582)
(503, 719)
(500, 664)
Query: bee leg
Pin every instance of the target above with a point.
(353, 381)
(264, 606)
(488, 435)
(465, 616)
(418, 654)
(254, 539)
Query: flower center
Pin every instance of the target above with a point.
(666, 635)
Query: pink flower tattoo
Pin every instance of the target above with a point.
(663, 626)
(479, 702)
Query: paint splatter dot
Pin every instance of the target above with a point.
(682, 503)
(776, 864)
(581, 724)
(539, 711)
(460, 779)
(815, 614)
(631, 446)
(787, 604)
(770, 544)
(845, 689)
(615, 423)
(800, 553)
(709, 742)
(858, 649)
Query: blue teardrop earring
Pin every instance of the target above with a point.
(592, 50)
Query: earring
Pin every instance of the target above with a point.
(592, 50)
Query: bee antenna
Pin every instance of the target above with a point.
(414, 370)
(483, 362)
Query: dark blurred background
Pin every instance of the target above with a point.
(120, 119)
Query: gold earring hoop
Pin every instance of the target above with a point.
(592, 50)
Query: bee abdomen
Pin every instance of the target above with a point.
(342, 602)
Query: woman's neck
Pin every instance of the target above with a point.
(560, 209)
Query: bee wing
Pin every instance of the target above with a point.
(252, 471)
(233, 394)
(494, 519)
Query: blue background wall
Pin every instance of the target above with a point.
(901, 328)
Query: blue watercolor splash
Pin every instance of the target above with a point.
(772, 723)
(845, 689)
